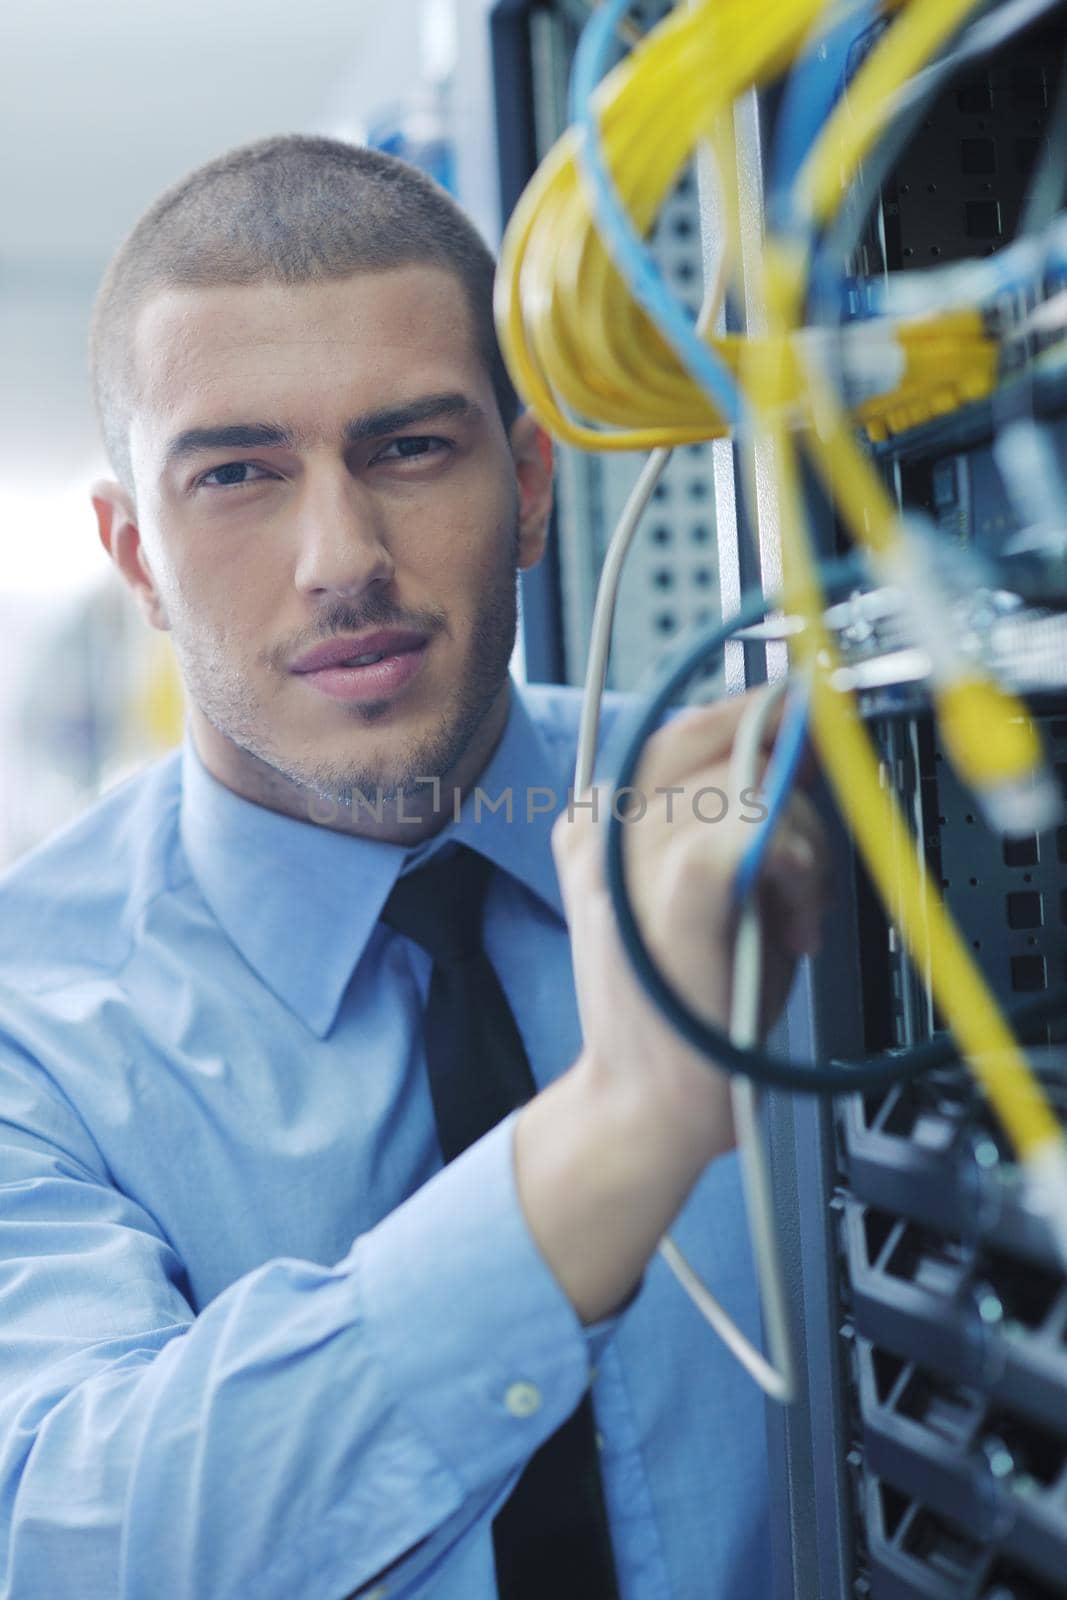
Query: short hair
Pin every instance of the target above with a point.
(293, 209)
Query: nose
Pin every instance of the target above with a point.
(342, 543)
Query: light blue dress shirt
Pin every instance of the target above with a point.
(255, 1344)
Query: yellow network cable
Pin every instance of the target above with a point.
(870, 811)
(578, 344)
(1004, 748)
(988, 733)
(574, 339)
(949, 360)
(580, 351)
(517, 291)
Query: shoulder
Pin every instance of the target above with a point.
(556, 710)
(73, 904)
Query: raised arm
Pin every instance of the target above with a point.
(607, 1155)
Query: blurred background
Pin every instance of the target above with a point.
(103, 107)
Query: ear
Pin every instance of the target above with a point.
(116, 520)
(531, 449)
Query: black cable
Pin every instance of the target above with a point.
(800, 1077)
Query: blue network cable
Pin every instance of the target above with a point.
(777, 786)
(629, 253)
(811, 92)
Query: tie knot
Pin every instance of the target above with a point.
(440, 905)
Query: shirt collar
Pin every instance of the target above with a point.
(300, 901)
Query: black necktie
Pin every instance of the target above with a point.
(550, 1538)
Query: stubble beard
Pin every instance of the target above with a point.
(224, 696)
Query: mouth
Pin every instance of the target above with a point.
(368, 661)
(359, 649)
(367, 675)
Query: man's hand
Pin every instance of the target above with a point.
(680, 868)
(606, 1156)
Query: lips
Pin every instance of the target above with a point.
(385, 678)
(341, 651)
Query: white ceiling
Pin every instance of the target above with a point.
(104, 103)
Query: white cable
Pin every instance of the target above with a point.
(777, 1377)
(596, 671)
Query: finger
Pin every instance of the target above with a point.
(698, 736)
(793, 894)
(801, 818)
(572, 827)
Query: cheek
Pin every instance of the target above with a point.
(488, 572)
(225, 600)
(494, 553)
(458, 556)
(484, 512)
(215, 569)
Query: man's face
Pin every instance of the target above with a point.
(312, 465)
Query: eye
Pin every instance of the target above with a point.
(412, 447)
(233, 475)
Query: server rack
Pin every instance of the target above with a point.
(926, 1455)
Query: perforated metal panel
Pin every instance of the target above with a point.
(958, 192)
(1008, 896)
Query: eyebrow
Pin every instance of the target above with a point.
(374, 425)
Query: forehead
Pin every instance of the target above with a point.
(305, 353)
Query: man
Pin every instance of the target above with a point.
(257, 1340)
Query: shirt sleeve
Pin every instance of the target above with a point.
(314, 1430)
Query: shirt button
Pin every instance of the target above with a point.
(376, 1594)
(599, 1441)
(523, 1399)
